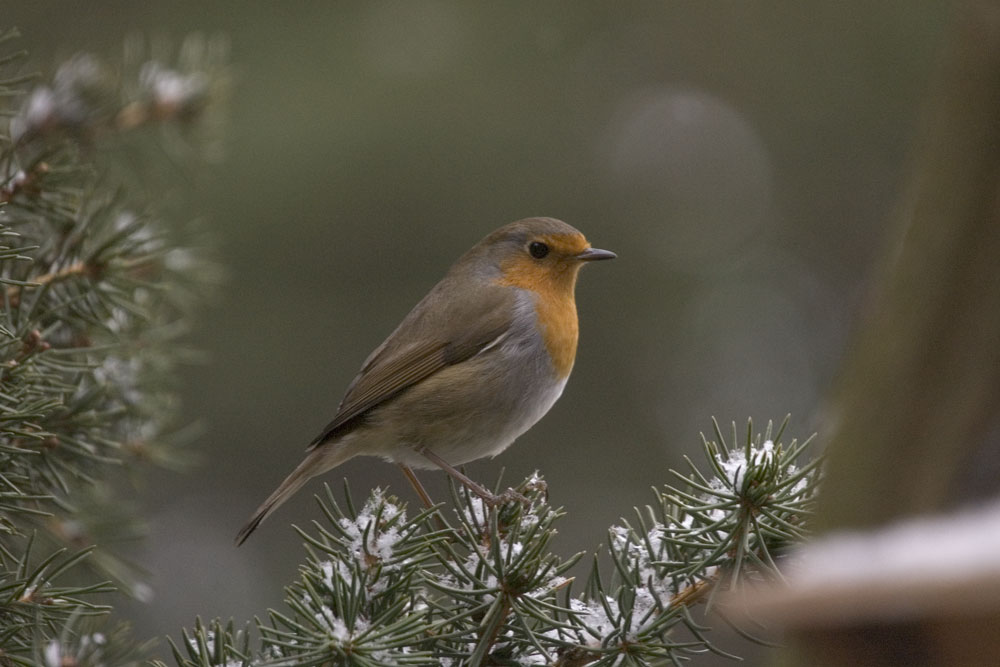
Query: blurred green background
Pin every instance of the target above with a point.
(741, 157)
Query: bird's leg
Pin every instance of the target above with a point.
(425, 497)
(417, 486)
(491, 499)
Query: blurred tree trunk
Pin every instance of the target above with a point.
(922, 384)
(921, 387)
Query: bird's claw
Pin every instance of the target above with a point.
(508, 496)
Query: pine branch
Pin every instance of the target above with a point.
(98, 289)
(476, 585)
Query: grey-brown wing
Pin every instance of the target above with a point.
(432, 337)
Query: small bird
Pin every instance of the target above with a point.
(475, 364)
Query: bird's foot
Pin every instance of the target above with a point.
(508, 496)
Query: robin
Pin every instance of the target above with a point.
(474, 365)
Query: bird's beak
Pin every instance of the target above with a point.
(594, 254)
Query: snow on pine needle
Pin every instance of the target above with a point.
(470, 583)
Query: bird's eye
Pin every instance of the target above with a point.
(538, 249)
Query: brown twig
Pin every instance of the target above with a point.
(26, 182)
(80, 268)
(138, 113)
(76, 269)
(693, 593)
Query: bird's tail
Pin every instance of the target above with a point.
(316, 462)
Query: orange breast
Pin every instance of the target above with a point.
(560, 330)
(555, 306)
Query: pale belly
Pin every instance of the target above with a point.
(467, 412)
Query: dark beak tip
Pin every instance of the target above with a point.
(595, 254)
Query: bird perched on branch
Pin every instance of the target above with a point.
(474, 365)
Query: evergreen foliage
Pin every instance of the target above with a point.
(465, 584)
(97, 287)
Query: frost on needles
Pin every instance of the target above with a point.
(98, 284)
(464, 584)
